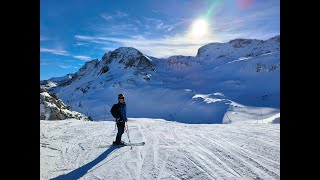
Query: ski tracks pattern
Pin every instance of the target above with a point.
(172, 151)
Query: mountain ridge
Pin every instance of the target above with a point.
(178, 81)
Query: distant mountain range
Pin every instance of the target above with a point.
(198, 89)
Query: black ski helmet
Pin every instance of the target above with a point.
(120, 96)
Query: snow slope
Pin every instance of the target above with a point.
(73, 149)
(241, 71)
(238, 113)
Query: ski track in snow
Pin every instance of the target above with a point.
(172, 150)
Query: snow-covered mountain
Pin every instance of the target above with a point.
(55, 81)
(200, 89)
(53, 108)
(239, 48)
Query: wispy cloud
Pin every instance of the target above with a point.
(65, 66)
(81, 44)
(163, 26)
(138, 21)
(163, 37)
(54, 51)
(158, 47)
(155, 11)
(117, 14)
(259, 24)
(64, 53)
(176, 40)
(69, 60)
(158, 24)
(106, 17)
(136, 26)
(85, 58)
(106, 49)
(116, 29)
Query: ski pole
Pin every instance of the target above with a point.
(127, 130)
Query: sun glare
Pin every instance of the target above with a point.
(199, 28)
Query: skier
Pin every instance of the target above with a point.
(119, 112)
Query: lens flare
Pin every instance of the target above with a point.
(244, 4)
(199, 28)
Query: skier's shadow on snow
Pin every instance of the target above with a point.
(78, 173)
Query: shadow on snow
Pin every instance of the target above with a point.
(79, 172)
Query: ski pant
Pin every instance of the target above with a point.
(120, 126)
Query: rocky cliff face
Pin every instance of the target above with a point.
(52, 108)
(129, 58)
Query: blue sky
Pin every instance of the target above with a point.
(73, 32)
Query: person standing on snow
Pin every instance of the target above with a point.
(119, 111)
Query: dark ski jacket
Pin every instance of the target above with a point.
(122, 112)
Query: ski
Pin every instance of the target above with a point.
(126, 144)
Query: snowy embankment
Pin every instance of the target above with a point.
(71, 149)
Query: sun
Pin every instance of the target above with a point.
(199, 28)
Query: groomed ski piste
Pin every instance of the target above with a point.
(212, 116)
(74, 149)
